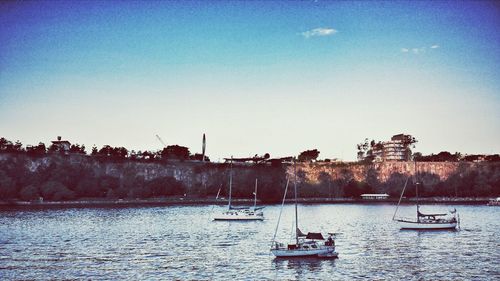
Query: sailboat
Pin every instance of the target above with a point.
(426, 221)
(306, 245)
(240, 213)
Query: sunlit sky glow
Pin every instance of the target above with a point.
(256, 77)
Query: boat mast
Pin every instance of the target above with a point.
(296, 213)
(416, 191)
(281, 210)
(230, 182)
(255, 195)
(400, 198)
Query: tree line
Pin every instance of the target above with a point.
(172, 152)
(445, 156)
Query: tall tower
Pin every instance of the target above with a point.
(203, 148)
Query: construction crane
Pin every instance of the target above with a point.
(162, 142)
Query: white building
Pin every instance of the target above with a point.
(61, 145)
(397, 149)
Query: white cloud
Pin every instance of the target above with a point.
(321, 31)
(415, 51)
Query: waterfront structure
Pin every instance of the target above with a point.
(376, 196)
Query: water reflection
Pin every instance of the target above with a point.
(301, 264)
(300, 268)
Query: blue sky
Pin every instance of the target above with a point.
(256, 77)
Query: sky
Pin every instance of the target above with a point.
(256, 77)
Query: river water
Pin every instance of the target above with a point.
(181, 242)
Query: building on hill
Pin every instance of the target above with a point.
(396, 149)
(60, 145)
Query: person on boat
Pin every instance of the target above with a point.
(330, 241)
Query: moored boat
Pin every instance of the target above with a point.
(306, 245)
(235, 214)
(494, 202)
(240, 213)
(441, 221)
(428, 225)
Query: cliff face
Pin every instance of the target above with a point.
(384, 170)
(438, 178)
(123, 178)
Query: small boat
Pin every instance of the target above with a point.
(306, 245)
(240, 213)
(423, 221)
(494, 202)
(235, 214)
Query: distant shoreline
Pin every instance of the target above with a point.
(247, 202)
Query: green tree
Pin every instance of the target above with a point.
(353, 189)
(29, 192)
(37, 150)
(108, 182)
(8, 146)
(76, 148)
(199, 157)
(4, 143)
(175, 152)
(7, 186)
(56, 191)
(89, 187)
(308, 155)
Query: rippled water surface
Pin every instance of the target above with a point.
(182, 242)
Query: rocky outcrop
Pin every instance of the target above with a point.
(383, 171)
(202, 179)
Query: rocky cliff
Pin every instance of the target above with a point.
(85, 176)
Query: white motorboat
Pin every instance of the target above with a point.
(240, 213)
(426, 221)
(306, 245)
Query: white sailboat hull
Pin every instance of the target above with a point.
(236, 216)
(426, 225)
(323, 252)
